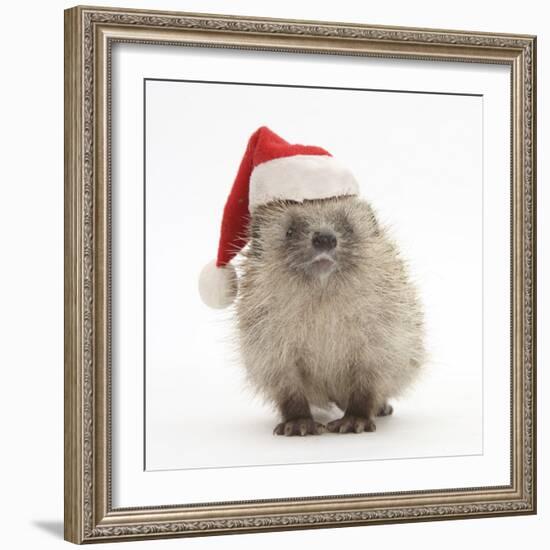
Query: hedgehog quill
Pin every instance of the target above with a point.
(326, 312)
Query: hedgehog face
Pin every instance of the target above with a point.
(314, 240)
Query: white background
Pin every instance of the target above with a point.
(31, 217)
(409, 152)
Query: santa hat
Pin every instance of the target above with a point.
(271, 169)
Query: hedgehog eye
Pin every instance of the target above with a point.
(347, 229)
(343, 225)
(295, 228)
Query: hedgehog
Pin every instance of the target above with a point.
(326, 311)
(327, 314)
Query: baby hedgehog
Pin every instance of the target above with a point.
(326, 312)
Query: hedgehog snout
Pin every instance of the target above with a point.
(324, 241)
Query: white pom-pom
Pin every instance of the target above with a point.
(218, 285)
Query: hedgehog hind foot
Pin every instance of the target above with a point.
(385, 410)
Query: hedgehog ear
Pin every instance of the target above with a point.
(255, 248)
(254, 229)
(375, 226)
(374, 221)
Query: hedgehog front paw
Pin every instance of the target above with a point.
(299, 426)
(351, 424)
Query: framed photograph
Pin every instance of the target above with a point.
(299, 274)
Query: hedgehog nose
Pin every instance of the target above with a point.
(323, 240)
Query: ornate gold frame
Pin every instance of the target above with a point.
(89, 34)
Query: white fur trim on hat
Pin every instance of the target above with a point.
(299, 178)
(218, 285)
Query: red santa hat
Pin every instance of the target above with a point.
(272, 169)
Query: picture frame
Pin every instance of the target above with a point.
(90, 36)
